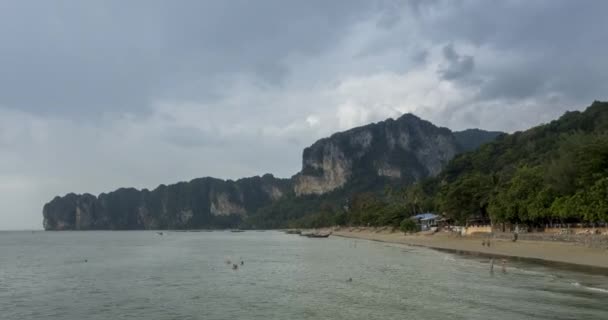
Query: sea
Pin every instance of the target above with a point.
(190, 275)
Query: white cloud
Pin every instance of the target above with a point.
(313, 121)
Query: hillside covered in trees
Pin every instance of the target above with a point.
(552, 173)
(556, 172)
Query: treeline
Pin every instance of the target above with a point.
(553, 173)
(388, 207)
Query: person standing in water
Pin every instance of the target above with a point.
(504, 265)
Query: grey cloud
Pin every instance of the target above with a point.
(458, 65)
(420, 57)
(554, 44)
(191, 137)
(77, 58)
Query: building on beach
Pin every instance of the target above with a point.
(426, 221)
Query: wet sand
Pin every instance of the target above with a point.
(555, 252)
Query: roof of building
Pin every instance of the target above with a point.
(425, 216)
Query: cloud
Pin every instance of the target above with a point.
(313, 121)
(457, 66)
(97, 96)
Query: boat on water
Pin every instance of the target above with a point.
(319, 235)
(293, 231)
(237, 230)
(316, 235)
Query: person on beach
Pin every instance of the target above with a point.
(492, 265)
(504, 265)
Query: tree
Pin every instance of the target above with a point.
(409, 225)
(596, 202)
(467, 196)
(524, 198)
(391, 215)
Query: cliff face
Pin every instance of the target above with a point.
(398, 151)
(200, 203)
(406, 149)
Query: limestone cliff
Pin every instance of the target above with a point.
(200, 203)
(406, 149)
(366, 158)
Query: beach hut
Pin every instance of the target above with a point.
(426, 220)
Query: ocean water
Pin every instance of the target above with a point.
(184, 275)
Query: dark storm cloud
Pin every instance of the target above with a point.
(458, 66)
(70, 57)
(553, 45)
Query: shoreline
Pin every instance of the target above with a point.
(555, 254)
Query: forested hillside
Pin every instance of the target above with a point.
(552, 173)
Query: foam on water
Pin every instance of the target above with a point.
(577, 284)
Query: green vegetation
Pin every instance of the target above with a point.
(553, 173)
(409, 225)
(388, 207)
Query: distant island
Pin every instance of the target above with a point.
(371, 158)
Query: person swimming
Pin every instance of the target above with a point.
(235, 266)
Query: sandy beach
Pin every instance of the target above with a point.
(555, 252)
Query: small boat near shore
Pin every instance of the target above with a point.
(316, 235)
(296, 231)
(237, 230)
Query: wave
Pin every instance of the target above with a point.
(596, 289)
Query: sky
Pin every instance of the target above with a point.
(97, 95)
